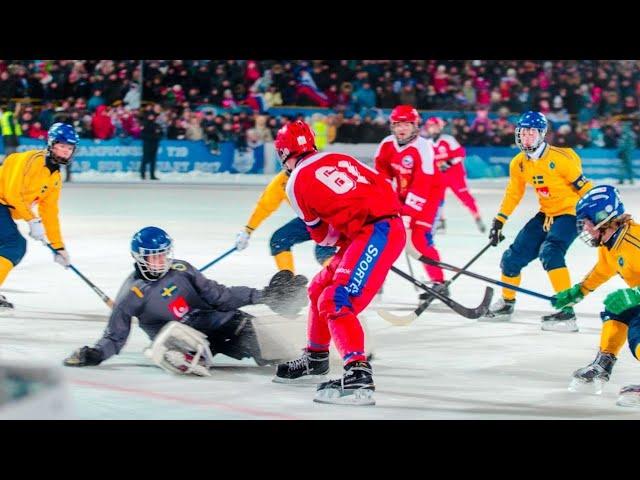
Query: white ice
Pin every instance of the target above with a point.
(441, 367)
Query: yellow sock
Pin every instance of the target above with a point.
(5, 267)
(284, 260)
(515, 281)
(560, 279)
(613, 336)
(638, 352)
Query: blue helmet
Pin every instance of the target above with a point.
(152, 250)
(535, 120)
(596, 209)
(61, 133)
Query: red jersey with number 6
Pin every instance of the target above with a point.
(335, 195)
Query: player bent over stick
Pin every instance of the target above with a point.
(603, 223)
(347, 204)
(189, 317)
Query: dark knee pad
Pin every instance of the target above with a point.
(324, 253)
(510, 264)
(14, 248)
(280, 242)
(633, 338)
(552, 255)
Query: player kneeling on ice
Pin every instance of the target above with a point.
(189, 317)
(603, 223)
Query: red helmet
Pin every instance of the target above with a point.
(294, 138)
(435, 121)
(404, 113)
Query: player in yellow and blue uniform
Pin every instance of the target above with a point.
(556, 175)
(27, 179)
(290, 234)
(603, 223)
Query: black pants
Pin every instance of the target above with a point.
(236, 338)
(149, 154)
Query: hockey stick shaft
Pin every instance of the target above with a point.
(105, 298)
(213, 262)
(463, 271)
(421, 308)
(455, 306)
(406, 254)
(409, 318)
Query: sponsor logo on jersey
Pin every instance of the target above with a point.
(552, 165)
(346, 271)
(543, 192)
(407, 161)
(181, 267)
(179, 307)
(362, 268)
(415, 202)
(168, 290)
(621, 261)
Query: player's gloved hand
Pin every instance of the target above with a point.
(62, 257)
(444, 166)
(286, 293)
(36, 229)
(568, 297)
(84, 357)
(242, 240)
(495, 234)
(621, 300)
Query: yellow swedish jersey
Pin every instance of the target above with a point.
(556, 178)
(270, 200)
(25, 181)
(623, 258)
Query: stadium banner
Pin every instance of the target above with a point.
(184, 156)
(174, 156)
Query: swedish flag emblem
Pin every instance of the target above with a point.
(168, 291)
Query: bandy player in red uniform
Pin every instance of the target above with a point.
(347, 204)
(408, 160)
(449, 156)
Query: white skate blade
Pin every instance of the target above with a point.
(590, 388)
(560, 326)
(629, 399)
(496, 318)
(304, 380)
(334, 396)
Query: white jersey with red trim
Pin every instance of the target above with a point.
(336, 195)
(412, 168)
(447, 148)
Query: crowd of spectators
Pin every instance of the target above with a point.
(230, 100)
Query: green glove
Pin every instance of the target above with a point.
(621, 300)
(568, 297)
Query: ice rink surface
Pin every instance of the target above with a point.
(442, 366)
